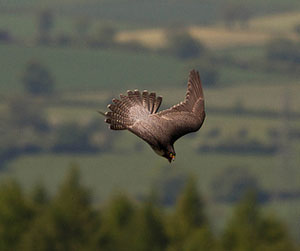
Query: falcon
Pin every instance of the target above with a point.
(138, 113)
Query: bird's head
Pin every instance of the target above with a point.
(169, 154)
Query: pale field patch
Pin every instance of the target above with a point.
(278, 24)
(259, 30)
(151, 38)
(213, 37)
(220, 37)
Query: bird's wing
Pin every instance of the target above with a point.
(132, 108)
(137, 113)
(133, 112)
(194, 98)
(189, 115)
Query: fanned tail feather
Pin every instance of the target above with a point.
(194, 99)
(145, 99)
(194, 91)
(157, 104)
(126, 110)
(152, 98)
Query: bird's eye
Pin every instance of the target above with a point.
(171, 155)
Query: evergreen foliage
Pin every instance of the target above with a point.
(37, 79)
(15, 215)
(68, 221)
(115, 232)
(249, 229)
(45, 24)
(183, 45)
(188, 218)
(71, 137)
(150, 231)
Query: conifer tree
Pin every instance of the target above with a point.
(200, 239)
(250, 230)
(39, 195)
(149, 229)
(37, 79)
(15, 215)
(189, 216)
(116, 225)
(68, 223)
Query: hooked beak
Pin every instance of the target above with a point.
(172, 158)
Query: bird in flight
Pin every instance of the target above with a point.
(138, 113)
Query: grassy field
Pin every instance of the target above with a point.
(135, 172)
(82, 69)
(214, 37)
(88, 70)
(104, 173)
(20, 17)
(24, 26)
(265, 167)
(259, 31)
(154, 12)
(277, 24)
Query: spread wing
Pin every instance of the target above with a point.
(133, 112)
(187, 116)
(137, 113)
(130, 109)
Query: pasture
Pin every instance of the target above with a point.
(277, 24)
(76, 69)
(135, 172)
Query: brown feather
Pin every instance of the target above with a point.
(138, 113)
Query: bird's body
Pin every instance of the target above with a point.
(137, 113)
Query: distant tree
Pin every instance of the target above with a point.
(189, 209)
(99, 137)
(208, 69)
(188, 217)
(37, 79)
(45, 24)
(200, 239)
(105, 36)
(169, 184)
(68, 223)
(149, 229)
(214, 132)
(15, 215)
(5, 36)
(183, 45)
(82, 26)
(25, 113)
(297, 29)
(242, 133)
(232, 184)
(249, 229)
(39, 196)
(117, 226)
(236, 13)
(283, 50)
(63, 39)
(71, 137)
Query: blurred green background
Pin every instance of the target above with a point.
(61, 61)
